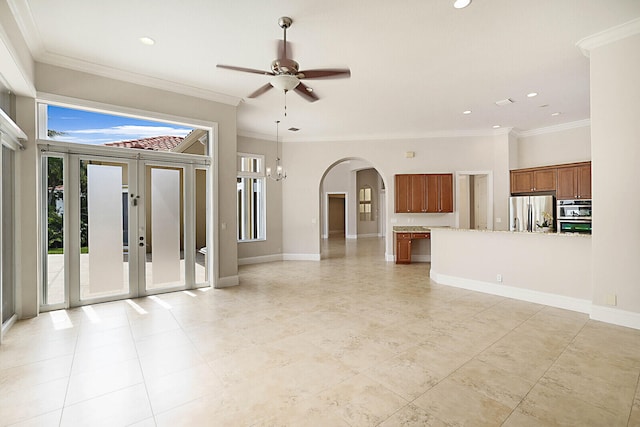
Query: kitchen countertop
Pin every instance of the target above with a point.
(411, 229)
(517, 232)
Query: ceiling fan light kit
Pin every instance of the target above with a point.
(284, 82)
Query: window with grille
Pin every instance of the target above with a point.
(251, 198)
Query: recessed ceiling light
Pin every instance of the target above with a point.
(466, 112)
(543, 105)
(460, 4)
(532, 94)
(292, 129)
(557, 113)
(147, 41)
(496, 126)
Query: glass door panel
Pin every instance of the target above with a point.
(201, 259)
(104, 268)
(54, 286)
(165, 255)
(8, 279)
(121, 228)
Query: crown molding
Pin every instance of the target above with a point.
(140, 79)
(386, 137)
(619, 32)
(555, 128)
(24, 19)
(27, 25)
(14, 74)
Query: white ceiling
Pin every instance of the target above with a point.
(415, 64)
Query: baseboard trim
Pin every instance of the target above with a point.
(301, 257)
(362, 236)
(259, 259)
(351, 236)
(615, 316)
(420, 258)
(389, 257)
(227, 282)
(552, 300)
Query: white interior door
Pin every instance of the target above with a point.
(480, 202)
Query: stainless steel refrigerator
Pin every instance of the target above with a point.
(532, 213)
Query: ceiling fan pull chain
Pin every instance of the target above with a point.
(285, 103)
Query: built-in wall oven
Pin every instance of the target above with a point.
(574, 216)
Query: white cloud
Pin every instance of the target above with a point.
(133, 131)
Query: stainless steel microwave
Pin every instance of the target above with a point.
(574, 216)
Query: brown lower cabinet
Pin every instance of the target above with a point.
(403, 245)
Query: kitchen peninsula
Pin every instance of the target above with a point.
(546, 268)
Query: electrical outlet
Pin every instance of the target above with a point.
(499, 278)
(612, 299)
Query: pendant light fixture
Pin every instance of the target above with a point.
(280, 173)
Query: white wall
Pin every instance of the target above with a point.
(74, 84)
(307, 163)
(265, 250)
(615, 139)
(371, 178)
(550, 269)
(545, 148)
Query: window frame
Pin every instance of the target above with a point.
(364, 202)
(260, 175)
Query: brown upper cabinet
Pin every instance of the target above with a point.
(533, 180)
(439, 193)
(570, 181)
(574, 182)
(424, 193)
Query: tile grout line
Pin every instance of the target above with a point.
(73, 360)
(547, 370)
(633, 399)
(144, 380)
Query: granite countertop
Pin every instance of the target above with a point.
(415, 228)
(518, 232)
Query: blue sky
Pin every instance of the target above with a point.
(86, 127)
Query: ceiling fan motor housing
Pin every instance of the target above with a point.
(284, 66)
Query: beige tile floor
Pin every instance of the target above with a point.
(348, 341)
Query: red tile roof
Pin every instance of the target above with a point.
(157, 143)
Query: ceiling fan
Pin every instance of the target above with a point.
(285, 71)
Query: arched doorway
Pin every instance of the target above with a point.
(352, 202)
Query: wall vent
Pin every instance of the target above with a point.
(504, 102)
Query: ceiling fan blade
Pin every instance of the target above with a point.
(327, 73)
(306, 93)
(260, 91)
(285, 53)
(245, 70)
